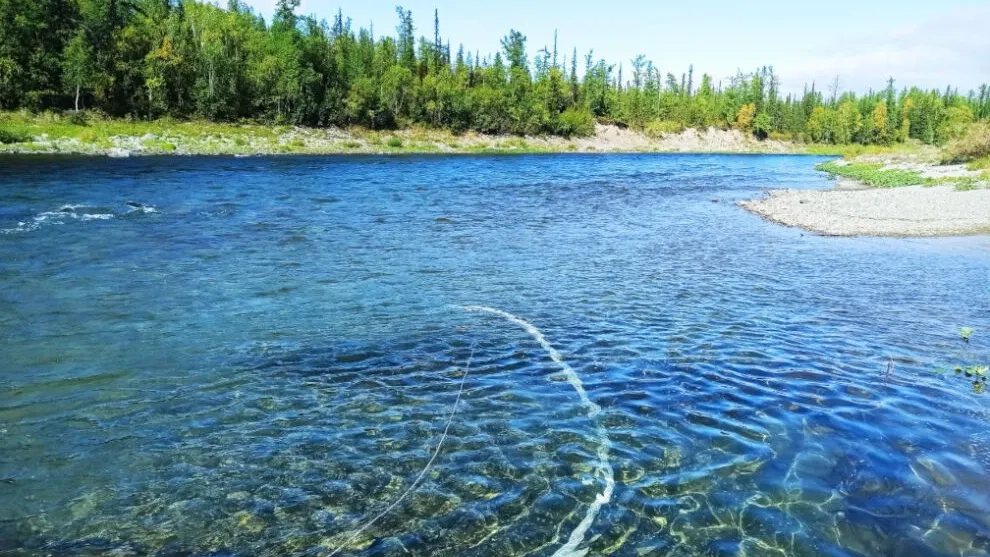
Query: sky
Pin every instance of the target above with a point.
(924, 43)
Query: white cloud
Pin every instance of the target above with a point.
(953, 49)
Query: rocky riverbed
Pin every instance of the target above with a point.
(954, 202)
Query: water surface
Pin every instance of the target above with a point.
(255, 356)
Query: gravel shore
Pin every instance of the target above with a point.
(915, 211)
(186, 139)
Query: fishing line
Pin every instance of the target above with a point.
(604, 467)
(419, 478)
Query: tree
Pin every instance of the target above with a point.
(745, 116)
(193, 58)
(397, 84)
(77, 65)
(881, 131)
(848, 122)
(285, 13)
(819, 127)
(514, 45)
(762, 125)
(406, 40)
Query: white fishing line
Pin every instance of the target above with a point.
(604, 468)
(422, 474)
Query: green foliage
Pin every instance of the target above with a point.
(968, 183)
(10, 136)
(976, 374)
(575, 122)
(874, 175)
(762, 125)
(394, 142)
(195, 60)
(975, 144)
(659, 128)
(745, 116)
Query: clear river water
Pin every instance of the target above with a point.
(258, 356)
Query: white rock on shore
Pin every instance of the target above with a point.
(914, 211)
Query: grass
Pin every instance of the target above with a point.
(982, 163)
(851, 151)
(89, 132)
(967, 183)
(11, 136)
(56, 126)
(874, 175)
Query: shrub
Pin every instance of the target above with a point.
(8, 136)
(973, 145)
(575, 122)
(78, 118)
(782, 136)
(659, 128)
(762, 125)
(394, 142)
(982, 163)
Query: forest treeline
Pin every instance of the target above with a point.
(190, 59)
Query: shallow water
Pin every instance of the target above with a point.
(256, 356)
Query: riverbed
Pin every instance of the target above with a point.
(257, 356)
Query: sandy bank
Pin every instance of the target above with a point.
(915, 211)
(218, 139)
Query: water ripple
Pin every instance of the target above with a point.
(270, 359)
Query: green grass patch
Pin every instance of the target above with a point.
(982, 163)
(874, 175)
(158, 146)
(394, 142)
(968, 183)
(11, 136)
(853, 150)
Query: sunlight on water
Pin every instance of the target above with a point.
(271, 357)
(604, 468)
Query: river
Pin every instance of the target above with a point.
(257, 356)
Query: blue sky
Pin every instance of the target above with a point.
(925, 43)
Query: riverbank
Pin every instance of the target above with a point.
(897, 195)
(53, 135)
(912, 211)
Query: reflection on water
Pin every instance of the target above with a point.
(268, 359)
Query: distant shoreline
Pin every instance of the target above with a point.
(125, 139)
